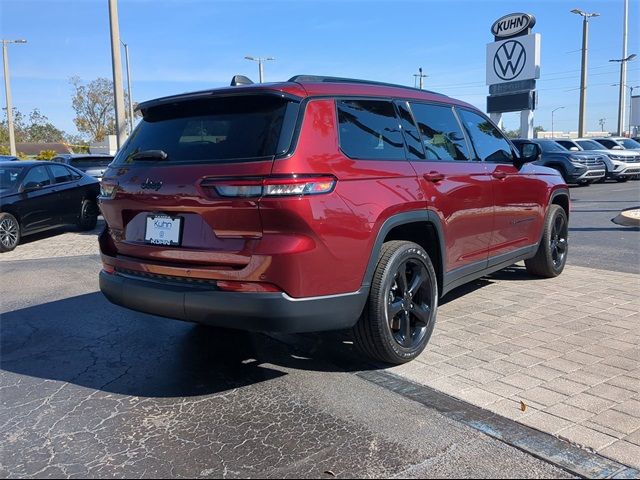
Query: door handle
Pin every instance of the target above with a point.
(433, 176)
(499, 175)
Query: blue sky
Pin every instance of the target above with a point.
(183, 45)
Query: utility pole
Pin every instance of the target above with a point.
(260, 61)
(126, 60)
(583, 76)
(602, 121)
(419, 78)
(7, 91)
(552, 112)
(116, 60)
(623, 70)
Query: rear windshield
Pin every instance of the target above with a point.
(213, 130)
(91, 162)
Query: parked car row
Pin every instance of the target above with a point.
(589, 160)
(37, 196)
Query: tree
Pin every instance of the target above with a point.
(36, 129)
(46, 154)
(93, 104)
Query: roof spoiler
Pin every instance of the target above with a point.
(240, 80)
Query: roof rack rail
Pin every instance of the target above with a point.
(325, 79)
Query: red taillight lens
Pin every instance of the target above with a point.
(272, 186)
(108, 269)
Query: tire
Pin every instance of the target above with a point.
(9, 232)
(88, 216)
(551, 257)
(622, 179)
(395, 285)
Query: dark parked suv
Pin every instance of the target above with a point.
(318, 204)
(582, 168)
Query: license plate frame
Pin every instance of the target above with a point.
(163, 230)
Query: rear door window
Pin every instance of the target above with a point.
(410, 131)
(37, 175)
(214, 130)
(370, 130)
(489, 143)
(442, 135)
(61, 174)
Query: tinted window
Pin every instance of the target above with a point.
(568, 144)
(60, 174)
(489, 143)
(629, 143)
(442, 136)
(608, 143)
(37, 175)
(589, 145)
(212, 130)
(9, 178)
(84, 162)
(550, 146)
(369, 129)
(410, 133)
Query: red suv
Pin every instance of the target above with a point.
(318, 204)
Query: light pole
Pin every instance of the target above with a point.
(623, 68)
(631, 89)
(126, 60)
(7, 91)
(623, 80)
(116, 63)
(552, 112)
(421, 76)
(583, 77)
(260, 61)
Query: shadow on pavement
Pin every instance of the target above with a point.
(87, 341)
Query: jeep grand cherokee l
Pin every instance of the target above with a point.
(319, 204)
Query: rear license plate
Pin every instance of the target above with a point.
(163, 230)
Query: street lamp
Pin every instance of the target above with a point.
(623, 79)
(7, 91)
(631, 89)
(126, 59)
(552, 112)
(260, 60)
(583, 77)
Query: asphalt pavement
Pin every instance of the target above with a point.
(594, 240)
(92, 390)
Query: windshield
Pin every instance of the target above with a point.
(86, 162)
(213, 130)
(589, 145)
(9, 178)
(550, 146)
(629, 143)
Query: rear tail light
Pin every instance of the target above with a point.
(108, 190)
(272, 186)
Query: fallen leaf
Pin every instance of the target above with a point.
(330, 473)
(523, 406)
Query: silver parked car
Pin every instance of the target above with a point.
(620, 164)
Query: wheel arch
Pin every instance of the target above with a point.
(422, 227)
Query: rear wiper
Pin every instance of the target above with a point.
(150, 155)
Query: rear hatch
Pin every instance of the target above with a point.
(173, 195)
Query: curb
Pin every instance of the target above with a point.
(628, 218)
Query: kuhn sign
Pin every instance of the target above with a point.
(512, 25)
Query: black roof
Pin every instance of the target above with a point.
(21, 163)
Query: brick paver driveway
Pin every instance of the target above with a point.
(560, 355)
(567, 348)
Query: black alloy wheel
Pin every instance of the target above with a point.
(558, 241)
(409, 305)
(9, 232)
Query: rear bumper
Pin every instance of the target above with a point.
(262, 312)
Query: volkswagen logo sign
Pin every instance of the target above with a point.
(509, 60)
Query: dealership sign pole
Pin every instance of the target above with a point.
(513, 65)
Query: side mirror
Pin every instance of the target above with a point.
(617, 147)
(574, 149)
(30, 187)
(529, 152)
